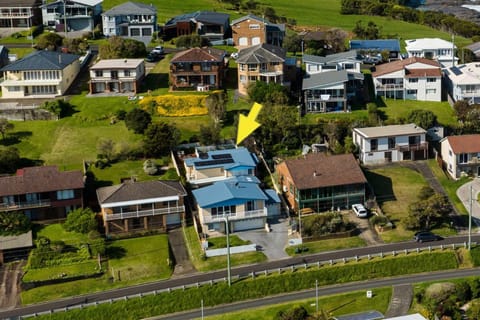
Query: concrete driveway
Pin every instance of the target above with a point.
(471, 190)
(272, 243)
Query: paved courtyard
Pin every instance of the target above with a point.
(272, 243)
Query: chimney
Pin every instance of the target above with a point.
(59, 58)
(315, 173)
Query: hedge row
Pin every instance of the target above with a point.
(180, 300)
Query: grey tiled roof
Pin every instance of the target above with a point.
(131, 8)
(139, 191)
(261, 53)
(201, 16)
(341, 56)
(324, 78)
(42, 60)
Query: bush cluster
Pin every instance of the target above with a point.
(176, 106)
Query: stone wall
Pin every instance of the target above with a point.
(26, 114)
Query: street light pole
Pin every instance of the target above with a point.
(229, 278)
(470, 219)
(65, 17)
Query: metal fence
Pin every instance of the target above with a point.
(253, 275)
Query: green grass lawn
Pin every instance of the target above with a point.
(328, 245)
(221, 242)
(55, 232)
(335, 305)
(64, 271)
(215, 263)
(395, 188)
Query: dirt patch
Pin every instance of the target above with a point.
(10, 276)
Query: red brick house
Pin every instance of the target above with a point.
(42, 193)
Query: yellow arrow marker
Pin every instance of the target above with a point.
(246, 125)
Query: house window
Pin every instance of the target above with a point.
(254, 26)
(431, 79)
(206, 66)
(391, 143)
(252, 78)
(250, 205)
(450, 153)
(14, 88)
(99, 73)
(252, 67)
(374, 145)
(65, 194)
(413, 80)
(431, 91)
(242, 67)
(114, 74)
(413, 140)
(243, 78)
(126, 73)
(412, 92)
(226, 210)
(463, 158)
(349, 66)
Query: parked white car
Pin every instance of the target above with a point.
(360, 210)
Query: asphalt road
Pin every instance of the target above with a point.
(240, 271)
(322, 291)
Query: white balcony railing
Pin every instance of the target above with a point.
(24, 205)
(236, 216)
(143, 213)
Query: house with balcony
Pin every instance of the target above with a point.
(211, 25)
(461, 155)
(377, 46)
(41, 74)
(198, 69)
(409, 79)
(42, 193)
(378, 145)
(321, 182)
(20, 14)
(331, 81)
(262, 62)
(209, 166)
(142, 206)
(238, 199)
(251, 30)
(122, 76)
(436, 49)
(72, 15)
(463, 82)
(130, 19)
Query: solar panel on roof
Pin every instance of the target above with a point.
(222, 156)
(213, 162)
(456, 71)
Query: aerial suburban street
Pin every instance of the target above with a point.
(241, 271)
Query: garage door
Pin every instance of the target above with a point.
(173, 219)
(255, 41)
(243, 41)
(248, 224)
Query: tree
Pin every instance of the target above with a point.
(9, 159)
(209, 134)
(106, 149)
(138, 120)
(422, 118)
(191, 41)
(58, 107)
(13, 223)
(295, 313)
(159, 139)
(424, 214)
(293, 43)
(49, 41)
(81, 220)
(268, 93)
(5, 126)
(335, 40)
(461, 108)
(217, 106)
(76, 45)
(119, 48)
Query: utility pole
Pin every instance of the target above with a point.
(470, 219)
(229, 278)
(65, 17)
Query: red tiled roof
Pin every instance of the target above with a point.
(317, 170)
(402, 64)
(40, 179)
(469, 143)
(199, 55)
(418, 73)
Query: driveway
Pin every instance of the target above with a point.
(367, 232)
(464, 195)
(272, 243)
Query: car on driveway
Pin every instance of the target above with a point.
(360, 210)
(425, 236)
(158, 50)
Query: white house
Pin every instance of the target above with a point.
(335, 62)
(393, 143)
(117, 75)
(130, 19)
(460, 155)
(463, 82)
(77, 15)
(412, 79)
(433, 48)
(41, 74)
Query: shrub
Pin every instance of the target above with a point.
(439, 292)
(57, 246)
(149, 167)
(13, 223)
(176, 106)
(81, 221)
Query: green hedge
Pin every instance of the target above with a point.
(180, 300)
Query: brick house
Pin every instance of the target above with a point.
(42, 193)
(321, 182)
(141, 206)
(251, 30)
(200, 69)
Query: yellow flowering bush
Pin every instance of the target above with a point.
(175, 106)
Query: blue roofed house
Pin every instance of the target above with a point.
(377, 46)
(240, 199)
(331, 81)
(41, 74)
(215, 165)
